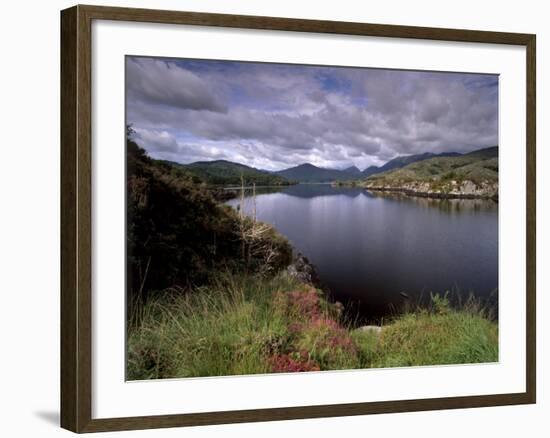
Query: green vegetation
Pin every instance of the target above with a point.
(399, 162)
(473, 175)
(179, 235)
(477, 166)
(253, 324)
(439, 335)
(227, 173)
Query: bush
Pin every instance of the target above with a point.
(329, 344)
(178, 235)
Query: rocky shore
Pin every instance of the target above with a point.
(305, 272)
(302, 270)
(443, 190)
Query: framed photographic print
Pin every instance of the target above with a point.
(270, 218)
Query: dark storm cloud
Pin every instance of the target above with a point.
(162, 83)
(276, 116)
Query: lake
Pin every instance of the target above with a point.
(370, 250)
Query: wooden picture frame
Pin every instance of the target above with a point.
(76, 217)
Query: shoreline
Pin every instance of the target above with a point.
(466, 189)
(433, 195)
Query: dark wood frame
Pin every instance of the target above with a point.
(76, 174)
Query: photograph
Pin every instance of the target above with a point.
(286, 218)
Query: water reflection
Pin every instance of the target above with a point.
(305, 190)
(370, 248)
(446, 205)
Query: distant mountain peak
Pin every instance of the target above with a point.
(353, 169)
(306, 165)
(307, 172)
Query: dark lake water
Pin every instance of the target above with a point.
(370, 249)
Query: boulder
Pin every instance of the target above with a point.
(370, 328)
(302, 269)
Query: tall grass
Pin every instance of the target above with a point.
(228, 328)
(437, 334)
(247, 324)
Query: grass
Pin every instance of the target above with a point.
(250, 325)
(223, 329)
(435, 336)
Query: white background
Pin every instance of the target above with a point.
(29, 220)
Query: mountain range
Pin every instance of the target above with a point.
(220, 172)
(223, 172)
(309, 173)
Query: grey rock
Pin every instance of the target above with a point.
(370, 328)
(303, 270)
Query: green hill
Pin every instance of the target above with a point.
(470, 175)
(405, 160)
(222, 172)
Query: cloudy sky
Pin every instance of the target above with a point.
(275, 116)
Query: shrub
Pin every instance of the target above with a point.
(328, 344)
(315, 330)
(294, 362)
(178, 234)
